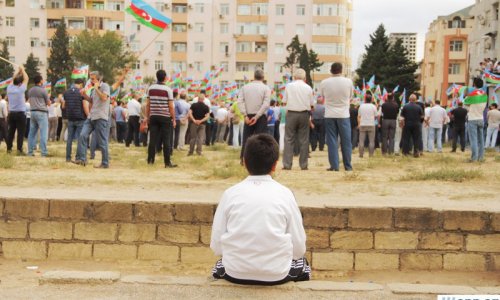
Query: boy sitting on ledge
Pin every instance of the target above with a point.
(257, 227)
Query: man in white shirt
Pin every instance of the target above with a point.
(298, 99)
(476, 102)
(4, 112)
(257, 228)
(134, 114)
(337, 92)
(436, 120)
(367, 114)
(222, 118)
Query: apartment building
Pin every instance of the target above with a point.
(239, 35)
(409, 42)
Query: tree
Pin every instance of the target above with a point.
(31, 67)
(105, 53)
(60, 62)
(304, 58)
(313, 65)
(6, 69)
(294, 49)
(401, 69)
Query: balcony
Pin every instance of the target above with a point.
(179, 37)
(78, 12)
(179, 17)
(241, 75)
(251, 57)
(455, 55)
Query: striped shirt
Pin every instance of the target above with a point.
(159, 95)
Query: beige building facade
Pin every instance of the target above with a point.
(409, 40)
(239, 35)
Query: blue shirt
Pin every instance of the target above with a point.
(119, 114)
(181, 109)
(270, 117)
(16, 96)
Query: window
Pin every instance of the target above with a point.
(454, 69)
(224, 47)
(224, 28)
(54, 4)
(71, 3)
(225, 68)
(158, 65)
(224, 9)
(12, 59)
(198, 47)
(135, 46)
(279, 49)
(179, 66)
(260, 47)
(177, 27)
(34, 4)
(329, 48)
(35, 23)
(456, 46)
(278, 68)
(179, 47)
(280, 10)
(160, 6)
(198, 65)
(159, 46)
(457, 22)
(243, 47)
(179, 8)
(97, 5)
(76, 24)
(10, 21)
(11, 41)
(279, 29)
(199, 8)
(259, 9)
(242, 67)
(244, 10)
(301, 10)
(198, 27)
(329, 29)
(136, 65)
(328, 10)
(35, 42)
(10, 3)
(115, 5)
(252, 28)
(300, 29)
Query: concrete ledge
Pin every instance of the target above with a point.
(488, 290)
(225, 283)
(338, 286)
(79, 277)
(406, 288)
(164, 280)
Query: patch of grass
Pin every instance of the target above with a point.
(446, 160)
(497, 158)
(352, 176)
(444, 174)
(6, 161)
(216, 147)
(229, 169)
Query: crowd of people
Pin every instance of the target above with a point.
(165, 119)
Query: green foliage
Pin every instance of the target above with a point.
(6, 161)
(390, 64)
(149, 80)
(60, 61)
(105, 53)
(31, 67)
(306, 59)
(6, 69)
(294, 49)
(444, 174)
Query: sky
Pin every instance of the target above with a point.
(398, 16)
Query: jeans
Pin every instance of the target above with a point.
(133, 131)
(435, 134)
(476, 139)
(363, 132)
(335, 127)
(100, 130)
(39, 121)
(491, 137)
(388, 134)
(296, 132)
(17, 121)
(270, 130)
(259, 127)
(159, 129)
(318, 134)
(74, 131)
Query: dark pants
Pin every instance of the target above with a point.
(17, 122)
(277, 131)
(296, 131)
(59, 127)
(133, 131)
(259, 127)
(159, 128)
(318, 134)
(121, 131)
(388, 134)
(458, 132)
(28, 125)
(443, 133)
(176, 135)
(3, 130)
(412, 134)
(354, 136)
(197, 136)
(209, 127)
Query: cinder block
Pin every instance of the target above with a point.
(417, 219)
(349, 240)
(72, 210)
(198, 255)
(495, 222)
(368, 218)
(317, 238)
(483, 243)
(154, 213)
(71, 251)
(464, 262)
(417, 261)
(464, 220)
(496, 262)
(323, 217)
(13, 229)
(115, 252)
(441, 241)
(51, 230)
(333, 261)
(95, 231)
(186, 234)
(194, 213)
(112, 211)
(396, 240)
(137, 232)
(24, 250)
(205, 234)
(158, 252)
(26, 209)
(376, 261)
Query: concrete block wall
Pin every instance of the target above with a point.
(337, 239)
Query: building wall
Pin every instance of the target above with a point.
(409, 42)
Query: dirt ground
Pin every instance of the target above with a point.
(393, 181)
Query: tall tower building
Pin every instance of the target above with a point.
(409, 42)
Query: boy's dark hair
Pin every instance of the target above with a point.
(368, 98)
(477, 82)
(494, 105)
(161, 75)
(437, 101)
(273, 102)
(175, 94)
(37, 79)
(336, 68)
(261, 153)
(79, 81)
(18, 80)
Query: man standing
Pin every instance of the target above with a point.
(353, 117)
(390, 110)
(17, 109)
(436, 120)
(4, 113)
(493, 124)
(298, 99)
(411, 115)
(77, 110)
(222, 119)
(199, 113)
(337, 92)
(160, 113)
(181, 113)
(366, 123)
(121, 122)
(318, 132)
(476, 102)
(134, 112)
(39, 103)
(97, 122)
(64, 119)
(459, 116)
(253, 102)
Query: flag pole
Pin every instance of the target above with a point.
(8, 61)
(148, 45)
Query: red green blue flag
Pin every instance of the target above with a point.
(81, 72)
(61, 83)
(4, 84)
(148, 16)
(476, 97)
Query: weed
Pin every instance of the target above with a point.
(6, 161)
(444, 174)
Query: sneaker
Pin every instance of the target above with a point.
(101, 166)
(170, 165)
(332, 169)
(80, 163)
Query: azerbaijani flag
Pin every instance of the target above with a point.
(81, 72)
(61, 83)
(148, 16)
(4, 84)
(476, 97)
(48, 87)
(491, 78)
